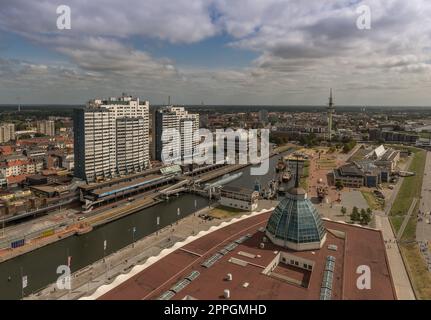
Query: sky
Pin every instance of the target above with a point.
(257, 52)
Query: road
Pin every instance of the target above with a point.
(423, 230)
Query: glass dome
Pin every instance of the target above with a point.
(295, 223)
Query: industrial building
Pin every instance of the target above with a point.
(111, 138)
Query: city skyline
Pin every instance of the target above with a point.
(217, 52)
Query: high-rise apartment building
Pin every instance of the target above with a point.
(111, 138)
(7, 132)
(179, 119)
(46, 127)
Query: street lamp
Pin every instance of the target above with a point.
(133, 236)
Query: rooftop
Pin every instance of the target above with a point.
(234, 189)
(199, 268)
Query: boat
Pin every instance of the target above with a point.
(84, 228)
(321, 192)
(286, 177)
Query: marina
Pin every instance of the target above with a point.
(40, 265)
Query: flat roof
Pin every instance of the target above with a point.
(350, 170)
(124, 185)
(356, 246)
(96, 185)
(240, 190)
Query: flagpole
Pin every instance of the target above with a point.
(70, 274)
(22, 284)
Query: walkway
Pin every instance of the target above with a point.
(406, 219)
(400, 277)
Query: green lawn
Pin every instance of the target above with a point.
(396, 222)
(410, 230)
(417, 269)
(305, 174)
(373, 202)
(222, 212)
(411, 186)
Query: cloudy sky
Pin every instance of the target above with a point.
(217, 51)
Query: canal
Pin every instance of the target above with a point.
(39, 266)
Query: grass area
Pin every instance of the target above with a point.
(410, 230)
(411, 186)
(396, 222)
(303, 182)
(373, 202)
(222, 212)
(417, 269)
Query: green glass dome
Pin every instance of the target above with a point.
(295, 223)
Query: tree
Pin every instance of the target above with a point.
(39, 135)
(343, 211)
(365, 217)
(355, 216)
(339, 185)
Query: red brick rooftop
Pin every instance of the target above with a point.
(355, 246)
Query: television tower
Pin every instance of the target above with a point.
(330, 111)
(19, 104)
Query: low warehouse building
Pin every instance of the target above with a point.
(239, 198)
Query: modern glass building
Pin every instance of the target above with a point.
(295, 223)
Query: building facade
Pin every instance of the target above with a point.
(183, 122)
(111, 138)
(239, 198)
(46, 127)
(7, 132)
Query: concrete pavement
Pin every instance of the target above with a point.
(399, 274)
(423, 229)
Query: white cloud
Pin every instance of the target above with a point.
(303, 47)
